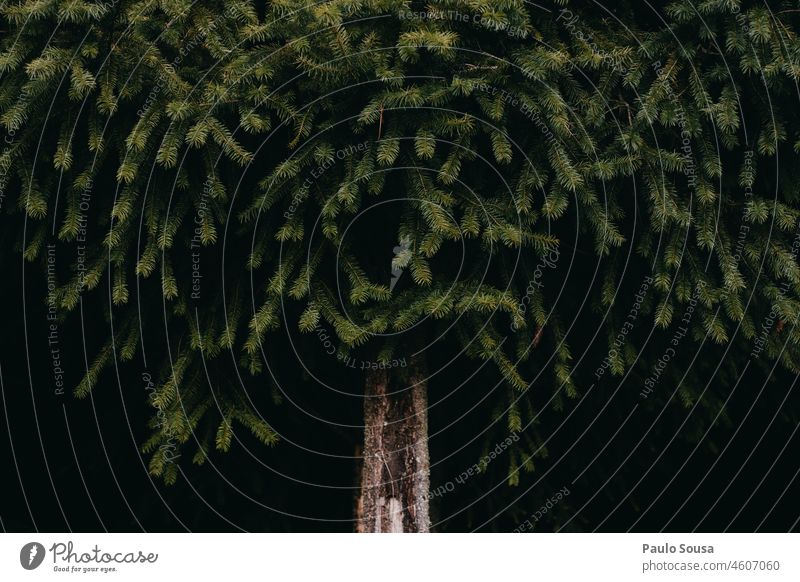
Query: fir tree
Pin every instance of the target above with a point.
(392, 174)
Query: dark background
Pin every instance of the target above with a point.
(76, 465)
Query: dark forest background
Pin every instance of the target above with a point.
(76, 465)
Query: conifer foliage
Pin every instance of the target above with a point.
(380, 169)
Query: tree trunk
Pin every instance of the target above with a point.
(395, 476)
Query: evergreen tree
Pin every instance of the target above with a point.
(386, 175)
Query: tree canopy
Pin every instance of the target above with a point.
(573, 195)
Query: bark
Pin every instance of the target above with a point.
(395, 474)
